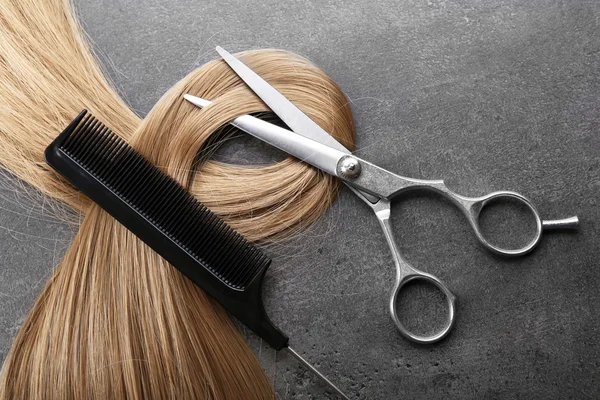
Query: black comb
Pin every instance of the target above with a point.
(165, 216)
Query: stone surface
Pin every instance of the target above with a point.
(488, 95)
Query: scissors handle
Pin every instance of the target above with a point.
(405, 274)
(376, 180)
(472, 208)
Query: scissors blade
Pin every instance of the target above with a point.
(293, 117)
(316, 154)
(285, 109)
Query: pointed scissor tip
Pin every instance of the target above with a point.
(224, 53)
(197, 101)
(221, 51)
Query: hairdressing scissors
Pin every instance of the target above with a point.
(376, 186)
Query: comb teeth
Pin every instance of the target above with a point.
(163, 202)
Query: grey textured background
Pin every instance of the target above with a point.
(486, 94)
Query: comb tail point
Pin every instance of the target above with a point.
(316, 372)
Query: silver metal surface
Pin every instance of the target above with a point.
(316, 154)
(374, 185)
(266, 131)
(406, 273)
(285, 109)
(566, 223)
(316, 372)
(348, 167)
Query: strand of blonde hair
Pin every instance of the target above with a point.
(115, 320)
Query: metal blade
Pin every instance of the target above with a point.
(262, 130)
(314, 153)
(285, 109)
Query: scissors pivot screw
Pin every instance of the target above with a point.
(348, 167)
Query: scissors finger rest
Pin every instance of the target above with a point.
(450, 304)
(406, 274)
